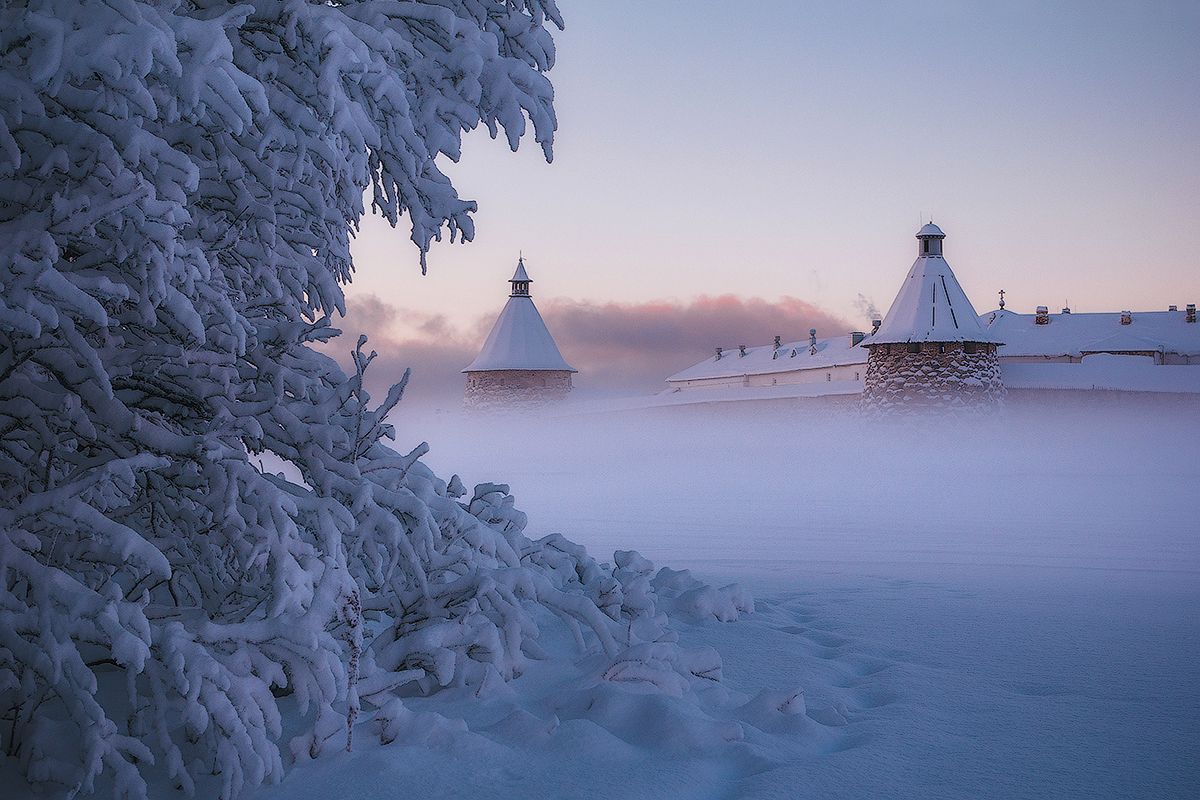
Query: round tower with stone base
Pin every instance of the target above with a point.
(520, 364)
(931, 351)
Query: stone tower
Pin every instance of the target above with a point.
(519, 363)
(931, 350)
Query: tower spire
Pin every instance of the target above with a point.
(520, 280)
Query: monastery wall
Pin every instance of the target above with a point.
(849, 372)
(845, 372)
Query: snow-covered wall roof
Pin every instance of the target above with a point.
(519, 340)
(931, 307)
(767, 359)
(1076, 334)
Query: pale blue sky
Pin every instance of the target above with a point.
(788, 148)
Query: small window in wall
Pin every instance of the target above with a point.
(970, 348)
(914, 347)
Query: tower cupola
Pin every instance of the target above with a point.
(929, 240)
(520, 280)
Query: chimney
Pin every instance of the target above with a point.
(856, 337)
(1042, 317)
(1172, 308)
(875, 323)
(719, 351)
(1126, 318)
(812, 341)
(1191, 312)
(741, 350)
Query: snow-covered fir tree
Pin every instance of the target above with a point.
(179, 182)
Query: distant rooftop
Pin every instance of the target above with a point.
(766, 359)
(1075, 334)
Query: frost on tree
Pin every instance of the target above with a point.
(178, 185)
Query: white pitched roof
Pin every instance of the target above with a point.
(1076, 334)
(519, 339)
(766, 359)
(930, 306)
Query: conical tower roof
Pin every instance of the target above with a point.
(931, 306)
(520, 338)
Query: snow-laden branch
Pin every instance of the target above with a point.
(180, 183)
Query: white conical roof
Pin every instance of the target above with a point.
(519, 339)
(931, 306)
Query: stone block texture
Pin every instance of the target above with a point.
(940, 375)
(497, 389)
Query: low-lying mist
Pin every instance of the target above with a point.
(740, 487)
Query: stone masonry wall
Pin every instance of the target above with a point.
(515, 387)
(939, 376)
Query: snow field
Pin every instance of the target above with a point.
(1003, 608)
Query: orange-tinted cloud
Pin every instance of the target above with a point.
(636, 346)
(617, 347)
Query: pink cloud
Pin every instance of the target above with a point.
(617, 347)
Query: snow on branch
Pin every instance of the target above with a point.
(181, 181)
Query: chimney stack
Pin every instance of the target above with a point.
(1126, 318)
(1042, 317)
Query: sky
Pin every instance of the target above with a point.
(731, 157)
